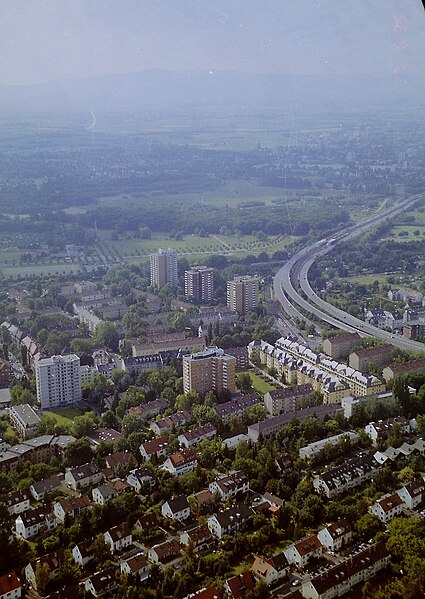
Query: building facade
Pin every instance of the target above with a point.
(242, 294)
(163, 268)
(58, 381)
(199, 283)
(210, 369)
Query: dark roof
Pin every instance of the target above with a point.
(14, 498)
(339, 529)
(240, 584)
(239, 512)
(178, 504)
(102, 581)
(120, 532)
(349, 471)
(84, 471)
(284, 393)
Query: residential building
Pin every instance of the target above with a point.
(101, 583)
(165, 425)
(83, 552)
(414, 329)
(363, 359)
(16, 501)
(163, 268)
(336, 536)
(39, 489)
(236, 407)
(148, 410)
(387, 507)
(230, 521)
(237, 586)
(5, 373)
(10, 586)
(241, 356)
(341, 578)
(382, 428)
(164, 552)
(103, 494)
(349, 475)
(146, 522)
(119, 537)
(288, 399)
(71, 507)
(312, 449)
(136, 565)
(31, 523)
(304, 550)
(199, 537)
(271, 569)
(53, 563)
(199, 283)
(141, 478)
(180, 462)
(193, 437)
(242, 294)
(58, 381)
(340, 346)
(230, 485)
(395, 370)
(23, 420)
(177, 508)
(413, 493)
(155, 447)
(209, 370)
(83, 476)
(125, 459)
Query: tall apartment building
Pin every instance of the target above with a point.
(58, 381)
(199, 283)
(163, 267)
(210, 369)
(242, 294)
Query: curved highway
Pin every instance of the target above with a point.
(295, 272)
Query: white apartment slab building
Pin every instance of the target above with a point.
(58, 381)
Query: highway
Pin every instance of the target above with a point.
(295, 273)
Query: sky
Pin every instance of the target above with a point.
(43, 40)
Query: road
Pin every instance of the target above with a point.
(295, 273)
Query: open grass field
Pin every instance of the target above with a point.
(366, 279)
(12, 272)
(9, 257)
(259, 384)
(65, 416)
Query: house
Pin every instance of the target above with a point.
(71, 507)
(181, 462)
(83, 476)
(146, 522)
(230, 485)
(83, 552)
(119, 537)
(39, 489)
(10, 586)
(200, 537)
(413, 493)
(164, 552)
(174, 421)
(271, 569)
(349, 475)
(141, 478)
(155, 447)
(101, 495)
(150, 409)
(34, 522)
(206, 593)
(382, 428)
(203, 498)
(274, 501)
(304, 550)
(313, 449)
(53, 561)
(191, 438)
(101, 583)
(136, 565)
(237, 586)
(283, 463)
(230, 520)
(121, 458)
(336, 536)
(387, 507)
(177, 509)
(16, 502)
(342, 577)
(104, 435)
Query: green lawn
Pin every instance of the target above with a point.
(65, 416)
(259, 384)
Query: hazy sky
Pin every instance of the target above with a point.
(53, 39)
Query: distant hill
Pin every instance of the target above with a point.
(167, 90)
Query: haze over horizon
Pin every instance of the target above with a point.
(47, 41)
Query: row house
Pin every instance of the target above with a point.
(335, 536)
(177, 509)
(164, 552)
(271, 569)
(34, 522)
(191, 438)
(312, 449)
(230, 521)
(154, 448)
(71, 507)
(83, 476)
(387, 507)
(402, 452)
(101, 583)
(236, 407)
(168, 423)
(341, 578)
(230, 485)
(181, 462)
(119, 537)
(83, 552)
(16, 501)
(349, 475)
(199, 537)
(39, 489)
(52, 561)
(137, 565)
(141, 478)
(149, 410)
(303, 551)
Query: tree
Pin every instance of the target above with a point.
(79, 452)
(101, 550)
(402, 394)
(244, 382)
(83, 425)
(107, 334)
(42, 576)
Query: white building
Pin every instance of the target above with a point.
(58, 381)
(177, 508)
(10, 586)
(387, 507)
